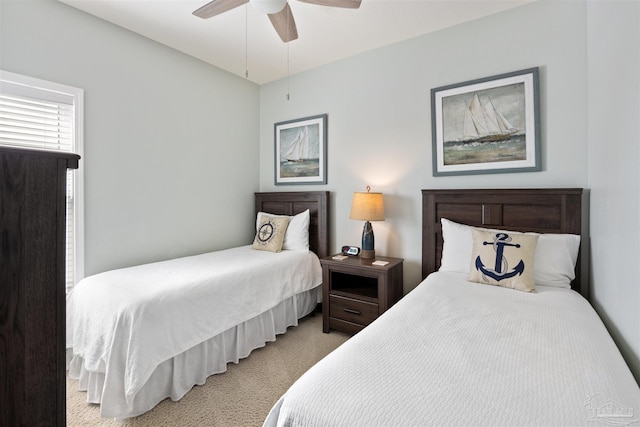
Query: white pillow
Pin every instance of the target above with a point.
(456, 250)
(555, 256)
(297, 235)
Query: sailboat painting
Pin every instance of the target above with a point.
(488, 125)
(484, 123)
(300, 154)
(299, 149)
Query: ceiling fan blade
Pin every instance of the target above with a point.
(216, 7)
(284, 24)
(348, 4)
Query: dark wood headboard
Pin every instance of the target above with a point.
(291, 203)
(534, 210)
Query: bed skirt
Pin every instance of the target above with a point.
(175, 377)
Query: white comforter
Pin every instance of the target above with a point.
(126, 322)
(453, 352)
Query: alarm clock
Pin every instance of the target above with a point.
(350, 250)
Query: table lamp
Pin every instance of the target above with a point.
(367, 207)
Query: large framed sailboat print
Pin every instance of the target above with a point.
(488, 125)
(301, 151)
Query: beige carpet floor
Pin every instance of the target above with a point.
(242, 396)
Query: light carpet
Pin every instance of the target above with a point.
(242, 396)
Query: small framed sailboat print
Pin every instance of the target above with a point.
(301, 151)
(489, 125)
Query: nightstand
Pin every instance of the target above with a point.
(355, 292)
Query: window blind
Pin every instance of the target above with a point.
(34, 123)
(38, 118)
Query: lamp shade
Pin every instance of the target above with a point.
(367, 206)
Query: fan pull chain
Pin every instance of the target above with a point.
(288, 96)
(246, 43)
(288, 14)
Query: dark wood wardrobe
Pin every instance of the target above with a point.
(32, 286)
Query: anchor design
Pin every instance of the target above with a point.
(501, 240)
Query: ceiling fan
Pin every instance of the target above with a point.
(278, 10)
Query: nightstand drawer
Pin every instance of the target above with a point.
(352, 310)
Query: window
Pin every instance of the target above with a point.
(44, 115)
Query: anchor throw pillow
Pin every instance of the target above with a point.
(270, 233)
(503, 258)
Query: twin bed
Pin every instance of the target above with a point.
(138, 335)
(456, 352)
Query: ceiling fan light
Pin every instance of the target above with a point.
(269, 6)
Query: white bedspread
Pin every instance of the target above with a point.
(453, 352)
(126, 322)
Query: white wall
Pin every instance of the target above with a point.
(379, 116)
(614, 173)
(170, 142)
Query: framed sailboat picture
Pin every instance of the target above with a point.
(489, 125)
(301, 151)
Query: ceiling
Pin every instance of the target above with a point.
(243, 39)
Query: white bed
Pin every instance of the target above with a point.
(138, 335)
(453, 352)
(456, 352)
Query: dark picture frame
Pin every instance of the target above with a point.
(488, 125)
(301, 151)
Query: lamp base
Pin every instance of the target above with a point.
(366, 253)
(368, 244)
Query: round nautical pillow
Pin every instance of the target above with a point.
(270, 233)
